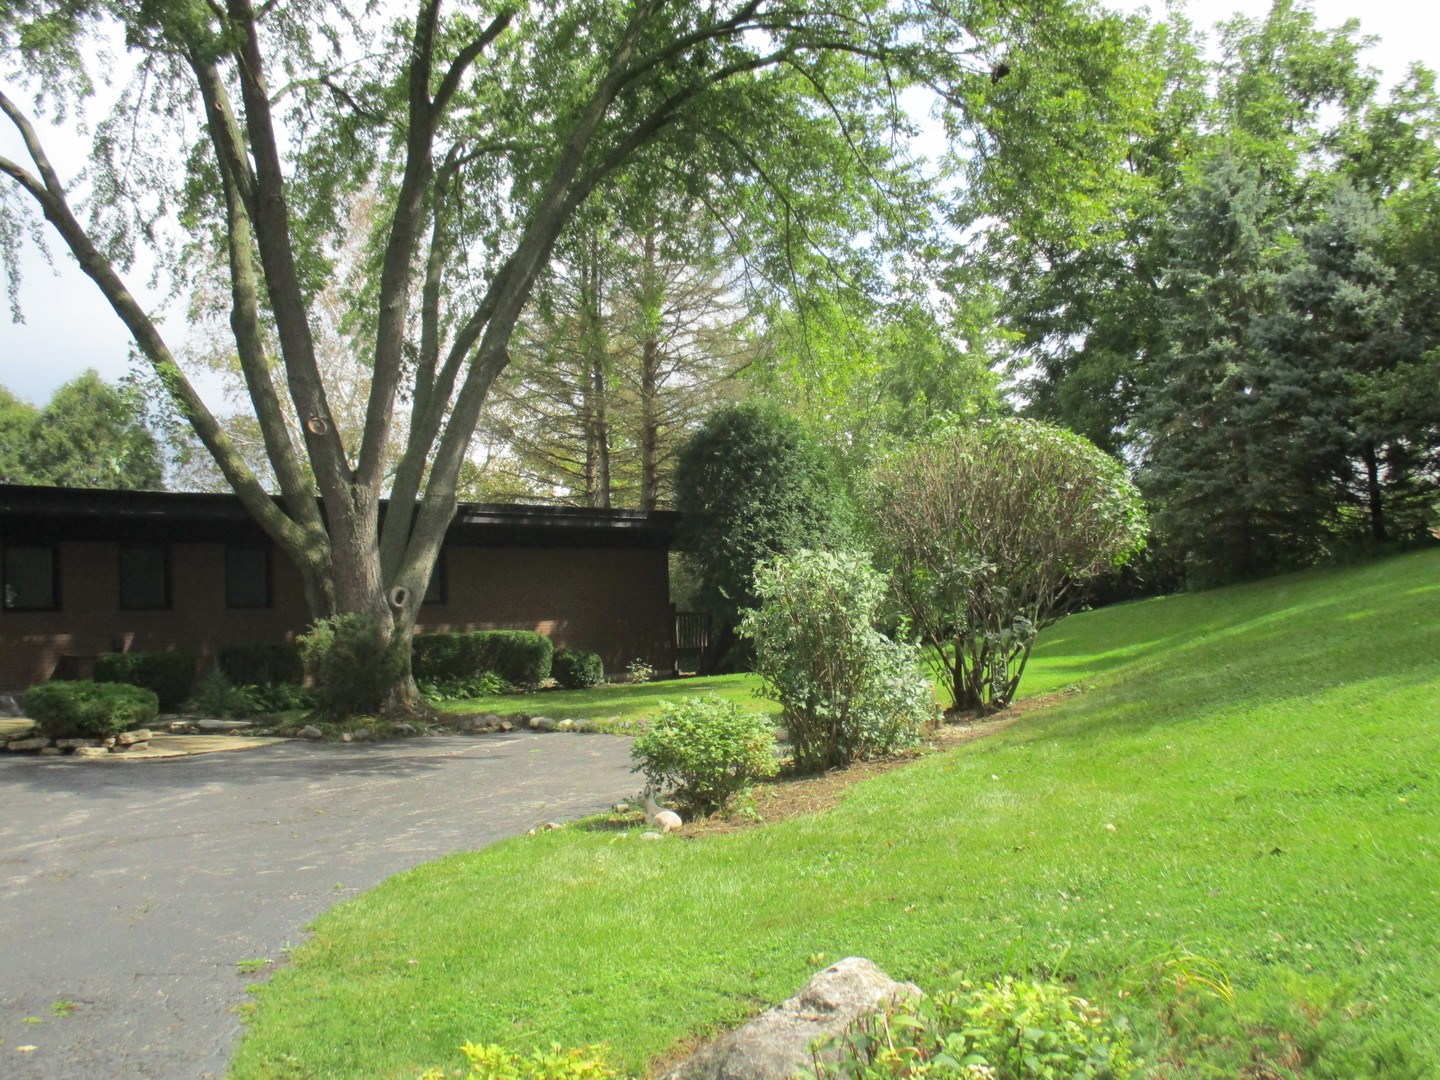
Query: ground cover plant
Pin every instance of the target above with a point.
(1228, 840)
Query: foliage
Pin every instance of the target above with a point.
(639, 672)
(358, 661)
(84, 710)
(494, 1062)
(576, 669)
(89, 435)
(265, 663)
(169, 674)
(216, 695)
(750, 484)
(706, 750)
(519, 657)
(1004, 1030)
(987, 531)
(1294, 714)
(459, 687)
(846, 690)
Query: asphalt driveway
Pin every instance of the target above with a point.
(137, 890)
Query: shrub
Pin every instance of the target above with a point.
(491, 1062)
(1005, 1030)
(486, 684)
(846, 690)
(577, 669)
(89, 710)
(706, 750)
(640, 672)
(169, 674)
(521, 657)
(265, 663)
(215, 695)
(358, 662)
(988, 531)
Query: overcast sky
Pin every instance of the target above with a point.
(68, 327)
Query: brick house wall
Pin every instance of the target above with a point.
(586, 579)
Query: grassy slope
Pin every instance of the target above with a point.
(1266, 754)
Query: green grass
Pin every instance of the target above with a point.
(622, 700)
(1246, 792)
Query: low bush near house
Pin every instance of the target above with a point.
(264, 663)
(1005, 1030)
(357, 661)
(169, 674)
(486, 684)
(577, 669)
(520, 657)
(706, 750)
(640, 672)
(847, 690)
(89, 710)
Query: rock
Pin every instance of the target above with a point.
(91, 751)
(542, 723)
(36, 742)
(620, 808)
(345, 736)
(219, 726)
(404, 729)
(11, 704)
(651, 836)
(506, 725)
(489, 721)
(129, 738)
(309, 731)
(181, 727)
(364, 734)
(776, 1044)
(131, 748)
(565, 725)
(50, 751)
(552, 825)
(75, 744)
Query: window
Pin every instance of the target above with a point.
(436, 592)
(32, 578)
(247, 577)
(144, 577)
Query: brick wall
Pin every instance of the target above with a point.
(613, 601)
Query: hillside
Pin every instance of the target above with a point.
(1228, 836)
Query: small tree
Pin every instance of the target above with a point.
(987, 530)
(751, 485)
(847, 690)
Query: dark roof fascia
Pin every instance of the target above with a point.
(37, 514)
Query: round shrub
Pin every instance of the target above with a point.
(576, 669)
(89, 710)
(706, 750)
(169, 674)
(358, 662)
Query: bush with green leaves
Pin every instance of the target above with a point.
(486, 684)
(89, 710)
(1004, 1030)
(705, 750)
(262, 663)
(846, 690)
(989, 531)
(577, 669)
(520, 657)
(169, 674)
(489, 1061)
(357, 660)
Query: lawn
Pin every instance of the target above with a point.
(621, 701)
(1229, 838)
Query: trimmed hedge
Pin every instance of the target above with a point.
(577, 669)
(89, 710)
(169, 674)
(263, 663)
(521, 657)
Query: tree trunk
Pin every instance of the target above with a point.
(649, 394)
(1373, 494)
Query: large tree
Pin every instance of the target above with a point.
(480, 129)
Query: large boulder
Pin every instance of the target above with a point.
(776, 1044)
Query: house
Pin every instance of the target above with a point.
(87, 572)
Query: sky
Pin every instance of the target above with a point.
(69, 327)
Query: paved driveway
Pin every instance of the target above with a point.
(133, 889)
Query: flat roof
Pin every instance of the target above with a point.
(36, 514)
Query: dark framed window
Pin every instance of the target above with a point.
(31, 574)
(437, 592)
(144, 577)
(247, 576)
